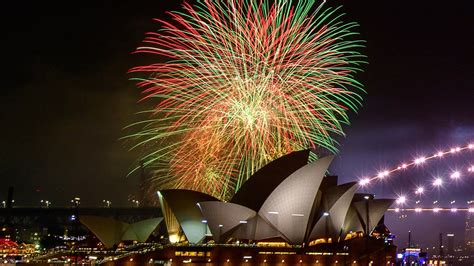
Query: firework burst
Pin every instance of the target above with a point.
(244, 82)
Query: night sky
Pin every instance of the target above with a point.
(66, 98)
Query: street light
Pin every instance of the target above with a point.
(76, 201)
(136, 202)
(46, 203)
(107, 203)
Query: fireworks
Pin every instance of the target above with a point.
(244, 82)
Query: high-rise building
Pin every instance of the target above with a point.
(449, 256)
(450, 250)
(469, 231)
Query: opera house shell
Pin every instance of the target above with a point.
(111, 231)
(289, 200)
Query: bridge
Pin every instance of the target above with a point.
(25, 216)
(432, 185)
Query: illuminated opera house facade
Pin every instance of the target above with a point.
(289, 212)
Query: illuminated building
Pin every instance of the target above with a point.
(450, 255)
(302, 209)
(304, 206)
(469, 231)
(412, 255)
(450, 250)
(287, 213)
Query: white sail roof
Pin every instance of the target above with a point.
(110, 231)
(289, 206)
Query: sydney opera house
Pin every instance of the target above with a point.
(289, 212)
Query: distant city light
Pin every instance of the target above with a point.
(418, 209)
(436, 209)
(107, 203)
(136, 203)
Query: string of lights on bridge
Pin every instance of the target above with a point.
(436, 183)
(436, 209)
